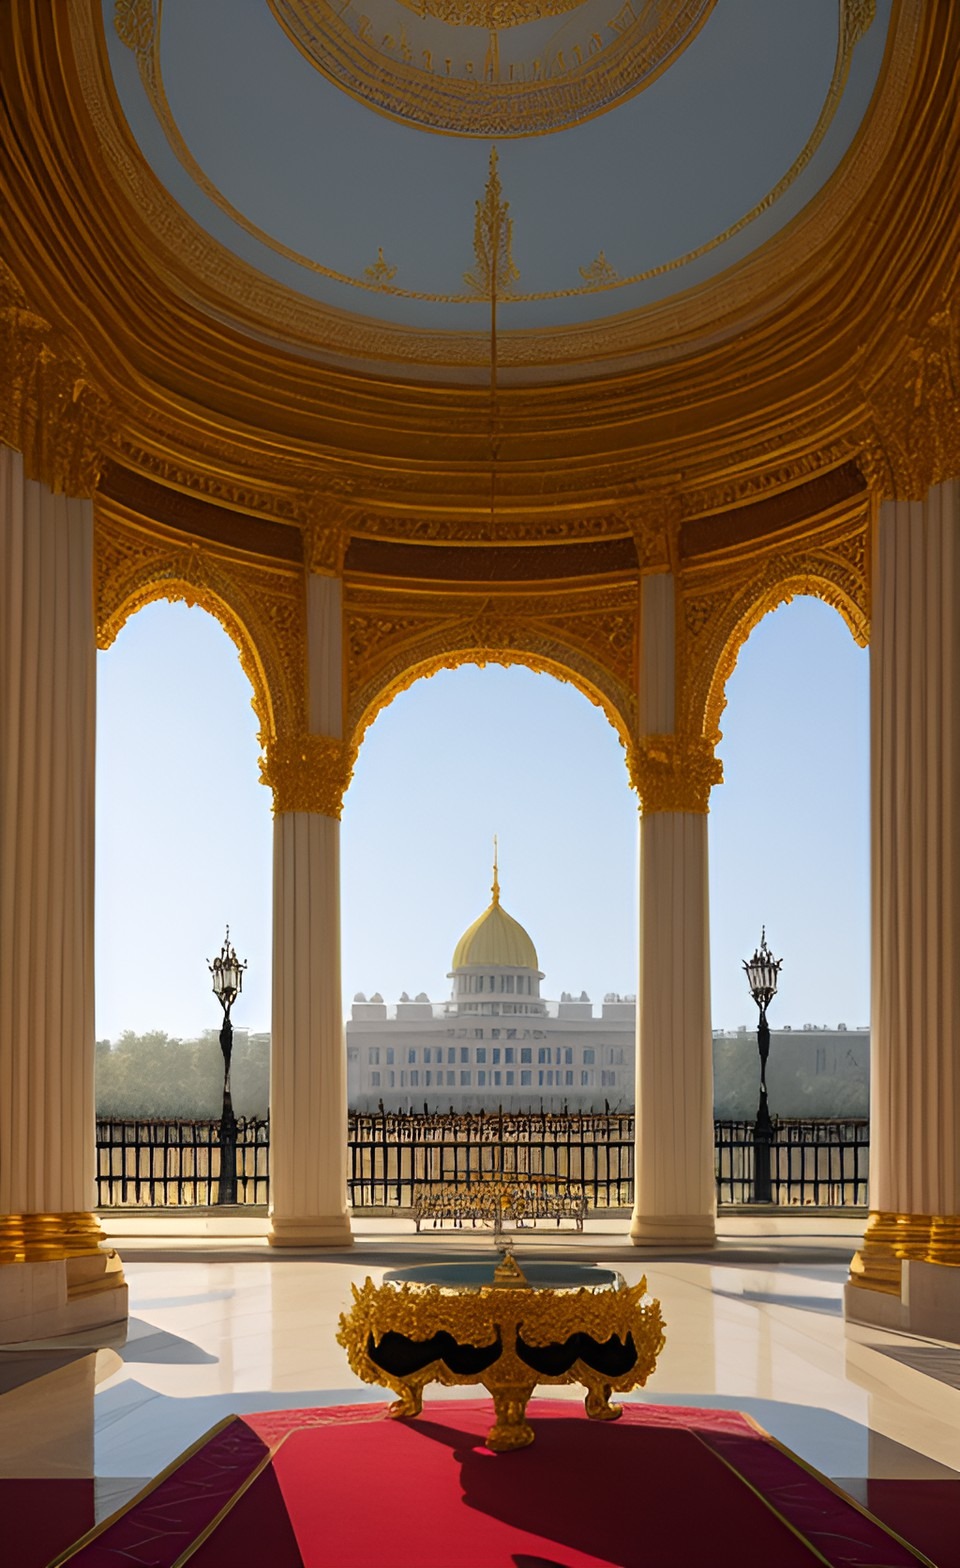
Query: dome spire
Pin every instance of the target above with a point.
(495, 889)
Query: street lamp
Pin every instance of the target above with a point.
(762, 971)
(227, 972)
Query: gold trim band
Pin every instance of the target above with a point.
(45, 1238)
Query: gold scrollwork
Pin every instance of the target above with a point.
(722, 602)
(494, 271)
(507, 1310)
(50, 409)
(673, 773)
(261, 610)
(913, 441)
(308, 773)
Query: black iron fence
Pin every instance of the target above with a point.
(176, 1164)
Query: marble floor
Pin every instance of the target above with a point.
(208, 1337)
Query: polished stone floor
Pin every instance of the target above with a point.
(209, 1337)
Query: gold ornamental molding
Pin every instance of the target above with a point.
(913, 438)
(584, 636)
(50, 409)
(721, 601)
(674, 773)
(890, 1238)
(47, 1238)
(261, 608)
(308, 773)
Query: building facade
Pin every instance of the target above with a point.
(496, 1042)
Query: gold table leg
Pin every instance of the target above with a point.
(512, 1429)
(597, 1403)
(410, 1402)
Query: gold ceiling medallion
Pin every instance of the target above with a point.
(491, 67)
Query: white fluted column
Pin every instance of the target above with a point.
(675, 1193)
(308, 1086)
(915, 1025)
(47, 750)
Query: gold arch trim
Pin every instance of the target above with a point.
(378, 695)
(261, 610)
(139, 29)
(721, 606)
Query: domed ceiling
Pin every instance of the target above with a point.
(357, 163)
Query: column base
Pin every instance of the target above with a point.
(63, 1296)
(927, 1303)
(673, 1230)
(311, 1231)
(892, 1238)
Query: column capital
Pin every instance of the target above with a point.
(50, 411)
(308, 773)
(913, 438)
(674, 772)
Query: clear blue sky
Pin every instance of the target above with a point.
(184, 828)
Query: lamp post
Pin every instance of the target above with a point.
(227, 974)
(762, 971)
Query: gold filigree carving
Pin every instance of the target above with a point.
(50, 410)
(914, 439)
(721, 603)
(673, 773)
(308, 773)
(507, 83)
(325, 541)
(261, 609)
(381, 272)
(505, 1311)
(494, 270)
(599, 271)
(586, 637)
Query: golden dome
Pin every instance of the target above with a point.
(496, 938)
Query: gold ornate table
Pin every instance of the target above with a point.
(460, 1323)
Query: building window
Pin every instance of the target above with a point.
(525, 1079)
(494, 1034)
(478, 1034)
(403, 1080)
(411, 1055)
(481, 1079)
(584, 1079)
(478, 983)
(353, 1055)
(541, 1076)
(374, 1080)
(510, 985)
(465, 1080)
(427, 1080)
(567, 1056)
(568, 1078)
(481, 1053)
(464, 1053)
(496, 1080)
(608, 1080)
(391, 1080)
(589, 1056)
(511, 1034)
(389, 1055)
(451, 1080)
(543, 1055)
(510, 1080)
(526, 1055)
(451, 1054)
(495, 1055)
(415, 1079)
(509, 1053)
(375, 1055)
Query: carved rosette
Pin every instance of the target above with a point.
(308, 773)
(674, 773)
(50, 409)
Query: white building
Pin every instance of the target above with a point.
(496, 1042)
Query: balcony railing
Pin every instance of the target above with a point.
(176, 1164)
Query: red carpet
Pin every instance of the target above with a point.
(661, 1488)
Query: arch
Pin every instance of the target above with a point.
(265, 622)
(746, 616)
(534, 652)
